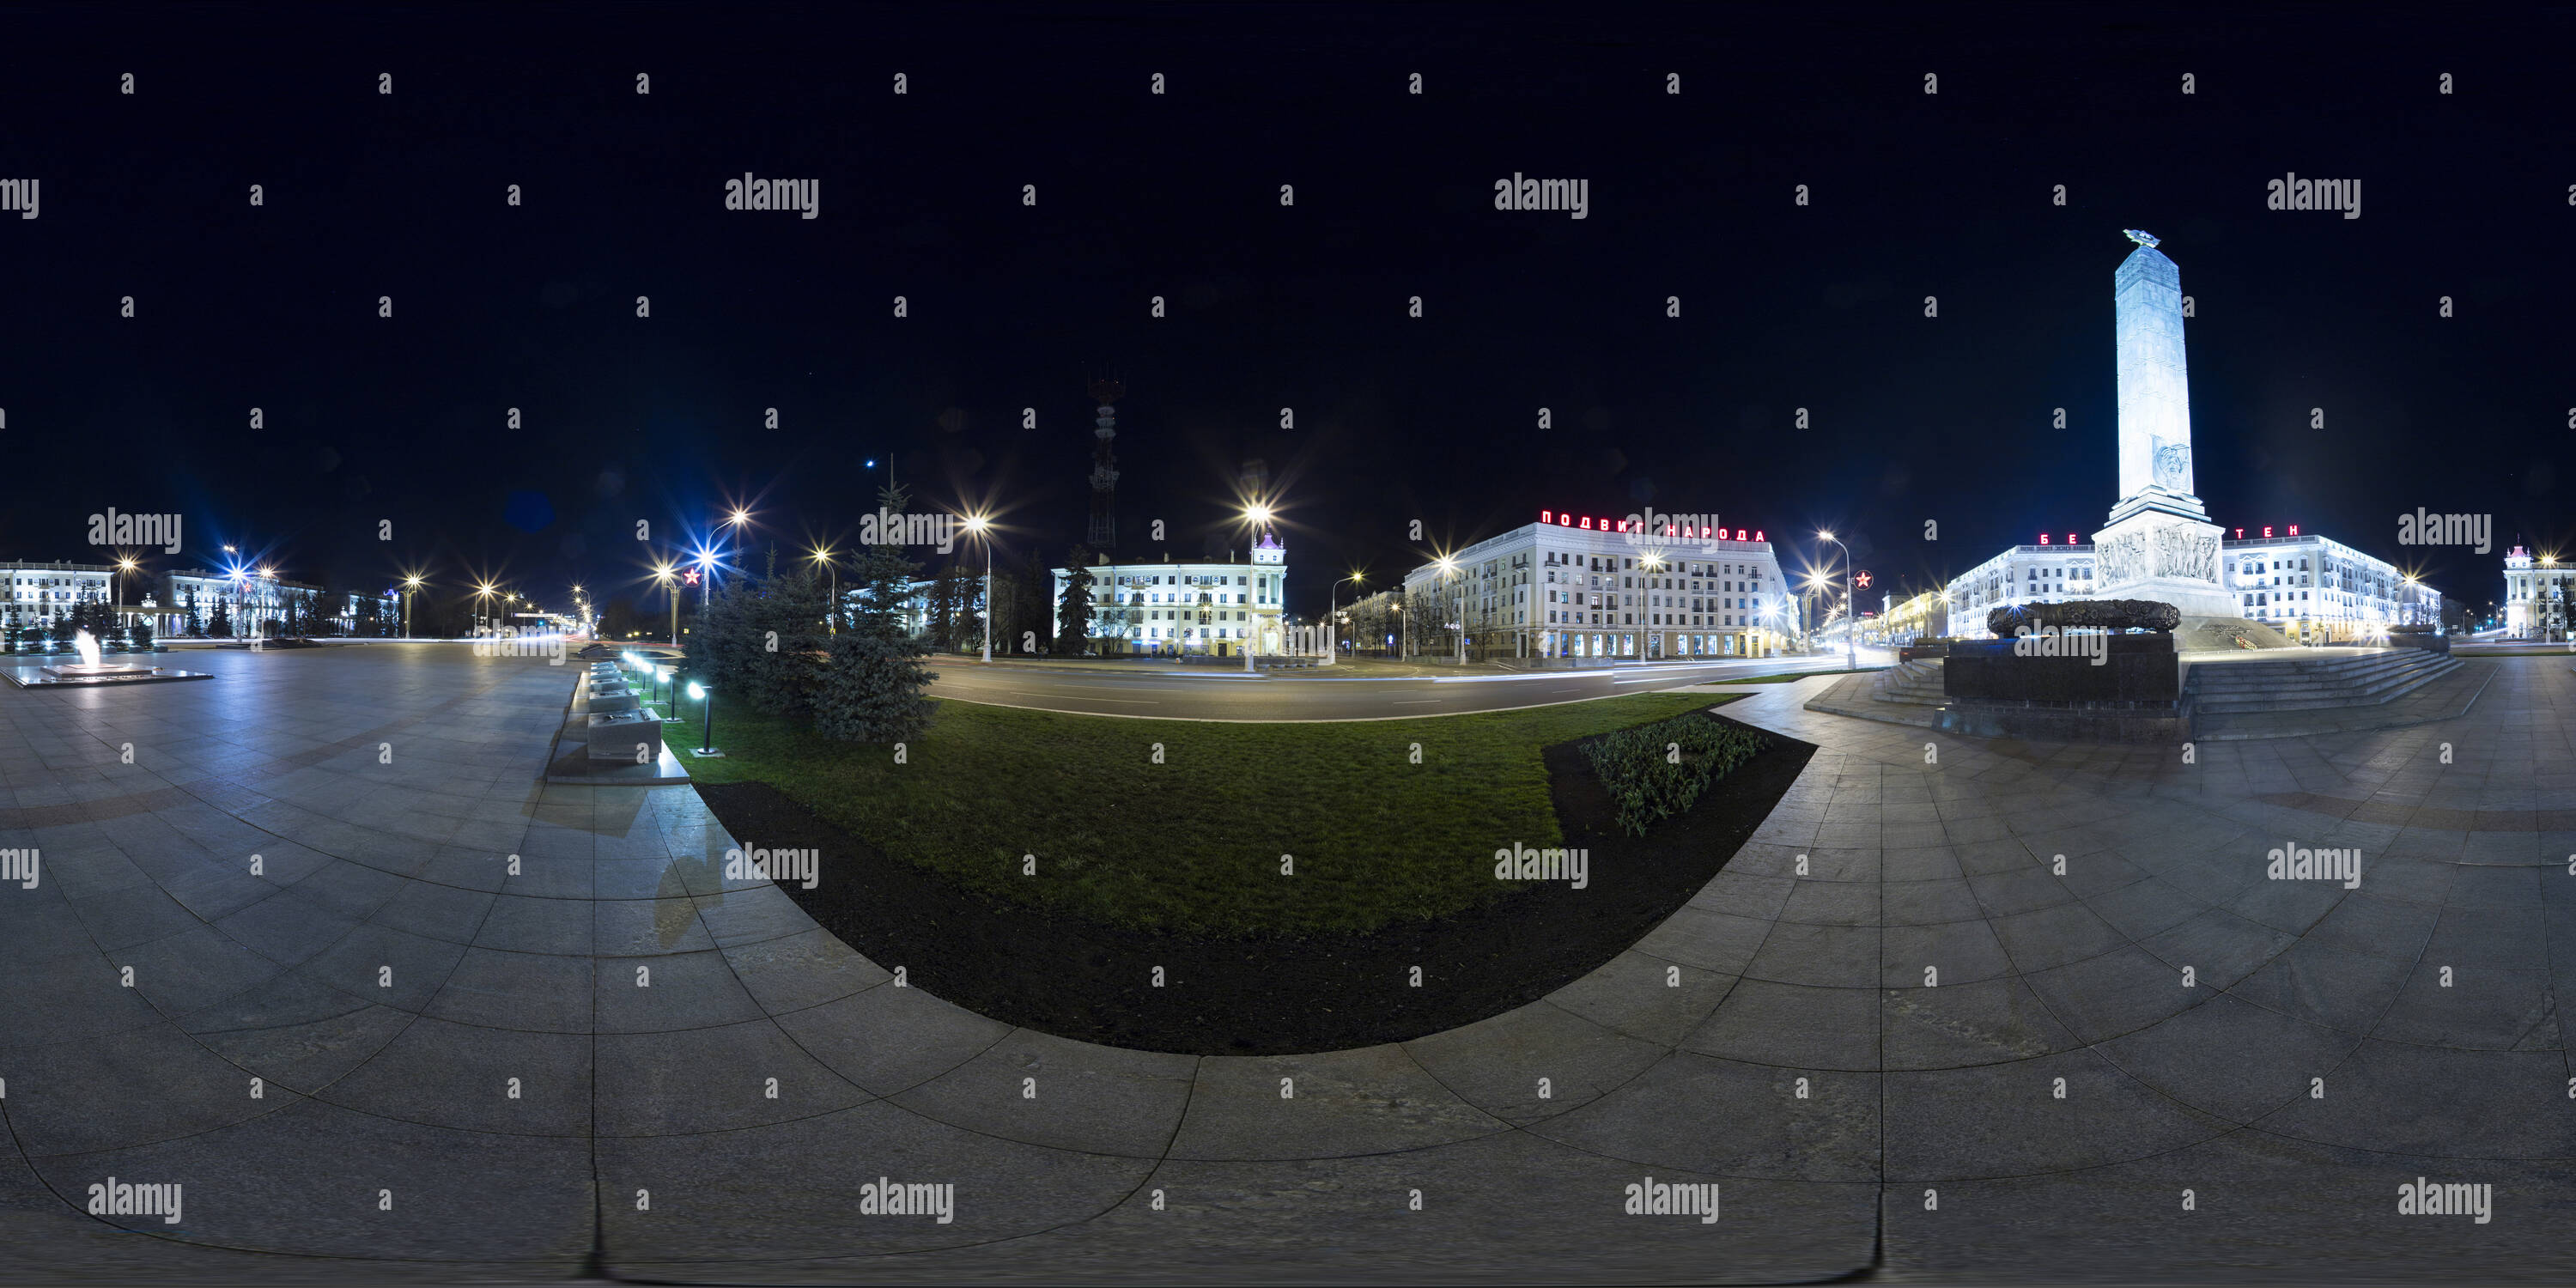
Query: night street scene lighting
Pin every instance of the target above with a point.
(1358, 644)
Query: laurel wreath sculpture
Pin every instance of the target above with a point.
(2095, 614)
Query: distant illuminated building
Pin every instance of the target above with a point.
(2536, 595)
(1577, 586)
(1175, 609)
(2309, 588)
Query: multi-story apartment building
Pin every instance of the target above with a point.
(2311, 589)
(1574, 586)
(2536, 595)
(1170, 609)
(36, 595)
(2032, 574)
(2318, 591)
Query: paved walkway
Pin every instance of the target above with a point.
(387, 978)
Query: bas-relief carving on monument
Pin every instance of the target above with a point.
(2121, 559)
(2181, 552)
(2173, 466)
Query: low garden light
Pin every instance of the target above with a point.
(706, 719)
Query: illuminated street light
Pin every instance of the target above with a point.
(1332, 606)
(123, 567)
(824, 556)
(1851, 606)
(1449, 567)
(411, 586)
(1257, 516)
(668, 575)
(978, 526)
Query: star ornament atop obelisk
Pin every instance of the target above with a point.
(2141, 236)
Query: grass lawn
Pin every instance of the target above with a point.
(1192, 844)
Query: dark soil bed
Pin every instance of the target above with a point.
(1077, 979)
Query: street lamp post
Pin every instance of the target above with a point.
(411, 586)
(1257, 515)
(1448, 569)
(670, 591)
(1851, 607)
(832, 619)
(123, 566)
(1332, 605)
(980, 527)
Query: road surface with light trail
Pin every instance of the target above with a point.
(1215, 693)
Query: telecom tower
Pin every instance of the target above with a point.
(1104, 467)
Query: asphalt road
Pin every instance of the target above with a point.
(1205, 693)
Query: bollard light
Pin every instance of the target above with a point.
(706, 720)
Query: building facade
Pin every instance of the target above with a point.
(37, 595)
(1173, 609)
(1572, 586)
(40, 593)
(2318, 591)
(2310, 588)
(2033, 574)
(2536, 595)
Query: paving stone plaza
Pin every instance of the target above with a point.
(1928, 982)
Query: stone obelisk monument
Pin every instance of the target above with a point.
(2159, 543)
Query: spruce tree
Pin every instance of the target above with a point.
(795, 609)
(872, 689)
(1073, 611)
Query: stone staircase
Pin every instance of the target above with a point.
(1918, 681)
(2366, 679)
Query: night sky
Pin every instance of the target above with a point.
(1396, 419)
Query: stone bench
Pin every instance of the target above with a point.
(610, 701)
(616, 736)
